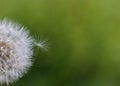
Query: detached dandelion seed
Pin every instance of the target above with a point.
(15, 51)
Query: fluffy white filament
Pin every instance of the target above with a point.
(15, 51)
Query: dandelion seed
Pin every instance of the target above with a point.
(42, 44)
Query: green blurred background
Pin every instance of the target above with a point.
(84, 40)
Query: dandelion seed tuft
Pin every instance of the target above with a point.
(42, 44)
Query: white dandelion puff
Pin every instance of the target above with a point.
(15, 51)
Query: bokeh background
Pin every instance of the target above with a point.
(84, 38)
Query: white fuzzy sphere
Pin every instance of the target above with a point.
(15, 51)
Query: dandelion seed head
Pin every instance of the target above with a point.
(15, 51)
